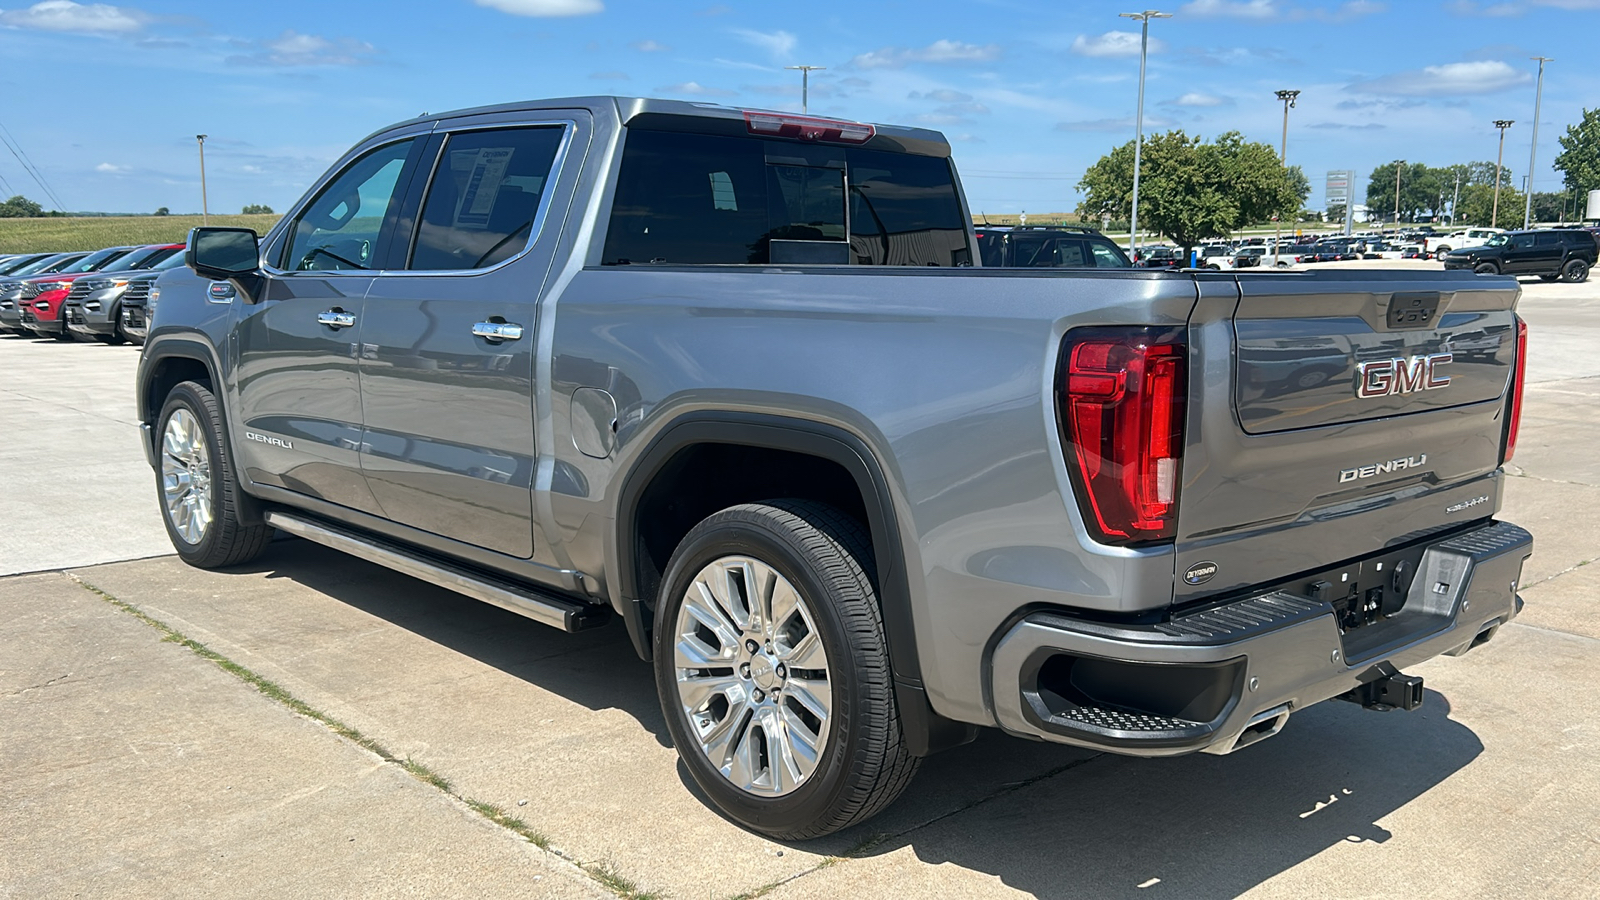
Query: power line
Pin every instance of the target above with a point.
(26, 162)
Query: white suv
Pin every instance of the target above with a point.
(1460, 240)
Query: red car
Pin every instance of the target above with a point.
(42, 297)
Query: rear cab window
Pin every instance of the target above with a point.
(703, 199)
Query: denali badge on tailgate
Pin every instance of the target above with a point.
(1401, 375)
(1383, 468)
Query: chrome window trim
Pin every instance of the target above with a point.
(569, 128)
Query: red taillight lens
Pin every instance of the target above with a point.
(1517, 381)
(808, 128)
(1121, 403)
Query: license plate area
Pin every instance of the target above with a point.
(1365, 592)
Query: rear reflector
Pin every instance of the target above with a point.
(1517, 382)
(807, 128)
(1121, 400)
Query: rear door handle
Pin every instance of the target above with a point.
(498, 331)
(336, 318)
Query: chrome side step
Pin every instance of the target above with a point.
(549, 608)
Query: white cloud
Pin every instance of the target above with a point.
(293, 49)
(1450, 79)
(940, 51)
(542, 9)
(65, 15)
(110, 168)
(1196, 98)
(695, 89)
(1112, 43)
(777, 43)
(1236, 9)
(649, 47)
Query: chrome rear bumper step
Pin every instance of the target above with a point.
(548, 608)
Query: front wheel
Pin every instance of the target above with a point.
(1575, 271)
(197, 485)
(1486, 268)
(773, 672)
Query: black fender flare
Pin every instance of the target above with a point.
(926, 731)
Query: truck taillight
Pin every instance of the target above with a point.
(808, 128)
(1121, 400)
(1517, 381)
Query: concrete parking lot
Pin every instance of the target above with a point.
(311, 725)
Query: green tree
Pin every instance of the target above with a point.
(1336, 212)
(1422, 190)
(1477, 201)
(1190, 190)
(20, 207)
(1579, 159)
(1550, 206)
(256, 209)
(162, 211)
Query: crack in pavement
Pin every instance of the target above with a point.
(59, 679)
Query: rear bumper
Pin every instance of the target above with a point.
(1216, 678)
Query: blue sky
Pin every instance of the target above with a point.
(106, 99)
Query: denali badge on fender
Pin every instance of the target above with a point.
(268, 439)
(1401, 375)
(1200, 573)
(1383, 468)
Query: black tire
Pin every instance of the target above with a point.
(1575, 271)
(863, 765)
(225, 542)
(1486, 268)
(1441, 251)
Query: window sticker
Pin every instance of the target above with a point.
(484, 170)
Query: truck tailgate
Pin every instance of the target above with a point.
(1336, 414)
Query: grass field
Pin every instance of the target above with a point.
(94, 232)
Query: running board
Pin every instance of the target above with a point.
(550, 609)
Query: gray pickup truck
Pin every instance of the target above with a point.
(737, 379)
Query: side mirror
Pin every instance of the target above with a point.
(226, 254)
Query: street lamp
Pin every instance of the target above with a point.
(1533, 153)
(1283, 157)
(1502, 124)
(205, 208)
(805, 83)
(1399, 165)
(1138, 128)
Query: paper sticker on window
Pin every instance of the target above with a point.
(485, 169)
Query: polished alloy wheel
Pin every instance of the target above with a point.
(186, 476)
(752, 676)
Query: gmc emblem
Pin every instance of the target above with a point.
(1404, 375)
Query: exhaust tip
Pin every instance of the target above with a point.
(1260, 727)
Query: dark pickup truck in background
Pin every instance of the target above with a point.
(740, 380)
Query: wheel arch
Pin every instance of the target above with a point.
(653, 482)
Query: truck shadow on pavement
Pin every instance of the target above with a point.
(1049, 820)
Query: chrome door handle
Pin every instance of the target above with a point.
(336, 318)
(498, 331)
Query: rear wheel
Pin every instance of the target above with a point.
(197, 485)
(1574, 271)
(1486, 268)
(773, 672)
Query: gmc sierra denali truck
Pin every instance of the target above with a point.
(737, 379)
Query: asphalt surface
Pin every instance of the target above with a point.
(134, 764)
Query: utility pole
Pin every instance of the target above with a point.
(1138, 118)
(1502, 124)
(805, 84)
(1455, 198)
(1399, 166)
(1283, 158)
(205, 207)
(1533, 154)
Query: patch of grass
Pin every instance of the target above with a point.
(602, 872)
(94, 232)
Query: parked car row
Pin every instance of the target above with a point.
(79, 295)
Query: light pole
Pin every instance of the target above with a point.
(805, 83)
(1283, 157)
(1455, 198)
(1138, 119)
(1502, 124)
(1399, 165)
(1533, 154)
(205, 207)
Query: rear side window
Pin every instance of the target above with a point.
(484, 197)
(692, 199)
(1107, 256)
(1547, 239)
